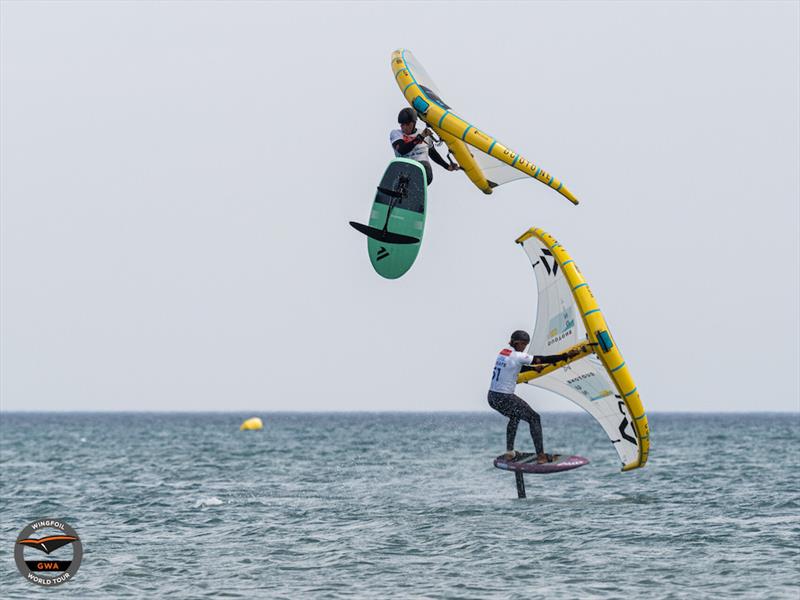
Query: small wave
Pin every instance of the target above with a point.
(206, 502)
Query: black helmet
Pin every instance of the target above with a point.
(407, 115)
(520, 336)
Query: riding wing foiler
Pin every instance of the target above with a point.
(597, 379)
(494, 164)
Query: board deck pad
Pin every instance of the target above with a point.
(406, 218)
(525, 462)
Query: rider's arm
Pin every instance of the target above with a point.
(437, 158)
(554, 358)
(405, 147)
(538, 362)
(549, 359)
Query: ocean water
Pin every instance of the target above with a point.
(403, 506)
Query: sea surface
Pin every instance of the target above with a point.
(376, 505)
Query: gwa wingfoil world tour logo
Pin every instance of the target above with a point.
(49, 537)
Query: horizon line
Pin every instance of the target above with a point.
(362, 411)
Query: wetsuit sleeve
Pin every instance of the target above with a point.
(543, 360)
(406, 147)
(550, 359)
(437, 158)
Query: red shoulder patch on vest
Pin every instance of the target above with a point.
(505, 352)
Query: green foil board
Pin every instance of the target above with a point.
(407, 217)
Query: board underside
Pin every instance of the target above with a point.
(407, 218)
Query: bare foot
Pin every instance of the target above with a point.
(546, 458)
(510, 455)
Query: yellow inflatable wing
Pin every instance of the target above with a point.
(499, 165)
(597, 379)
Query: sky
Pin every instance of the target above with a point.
(176, 180)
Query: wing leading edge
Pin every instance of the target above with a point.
(597, 380)
(499, 165)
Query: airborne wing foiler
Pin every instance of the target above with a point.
(495, 164)
(598, 379)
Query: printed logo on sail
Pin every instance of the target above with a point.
(561, 325)
(559, 338)
(48, 552)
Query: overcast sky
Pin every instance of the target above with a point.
(177, 180)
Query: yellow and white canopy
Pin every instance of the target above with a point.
(495, 164)
(598, 379)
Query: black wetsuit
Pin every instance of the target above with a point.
(405, 147)
(516, 409)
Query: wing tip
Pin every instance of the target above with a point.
(526, 235)
(569, 196)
